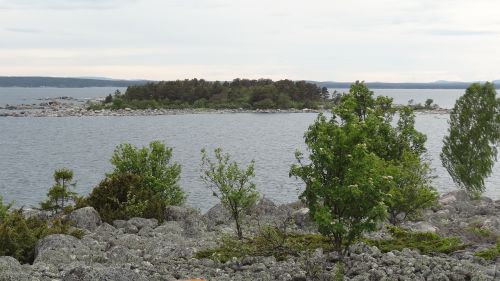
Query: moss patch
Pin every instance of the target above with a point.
(489, 254)
(426, 242)
(269, 242)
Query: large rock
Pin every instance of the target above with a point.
(9, 263)
(217, 215)
(140, 223)
(87, 273)
(59, 249)
(189, 218)
(264, 207)
(87, 218)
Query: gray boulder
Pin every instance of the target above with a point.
(140, 223)
(264, 207)
(87, 273)
(87, 218)
(59, 249)
(11, 270)
(9, 263)
(177, 213)
(217, 215)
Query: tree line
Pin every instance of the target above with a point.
(238, 93)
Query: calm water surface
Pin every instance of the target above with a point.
(31, 148)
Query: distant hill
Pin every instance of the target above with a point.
(383, 85)
(59, 82)
(81, 82)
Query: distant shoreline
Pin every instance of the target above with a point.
(59, 109)
(70, 82)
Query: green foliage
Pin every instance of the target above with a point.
(143, 183)
(153, 165)
(110, 197)
(19, 235)
(410, 190)
(339, 272)
(426, 242)
(4, 209)
(343, 180)
(239, 93)
(489, 254)
(59, 195)
(469, 151)
(360, 164)
(269, 241)
(230, 184)
(401, 147)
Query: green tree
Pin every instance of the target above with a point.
(59, 195)
(153, 165)
(344, 181)
(230, 184)
(469, 151)
(402, 148)
(348, 195)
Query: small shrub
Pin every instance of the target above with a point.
(59, 195)
(123, 196)
(230, 184)
(153, 165)
(19, 235)
(426, 242)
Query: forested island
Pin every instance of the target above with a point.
(239, 93)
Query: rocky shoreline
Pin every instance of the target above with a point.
(143, 249)
(70, 107)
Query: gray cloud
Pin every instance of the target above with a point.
(23, 30)
(63, 4)
(455, 32)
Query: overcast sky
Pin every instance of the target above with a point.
(384, 40)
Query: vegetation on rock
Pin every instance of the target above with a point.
(142, 184)
(59, 195)
(489, 254)
(19, 235)
(360, 166)
(4, 209)
(230, 184)
(270, 241)
(426, 242)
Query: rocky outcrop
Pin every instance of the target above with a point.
(143, 249)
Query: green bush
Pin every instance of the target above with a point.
(426, 242)
(142, 184)
(19, 235)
